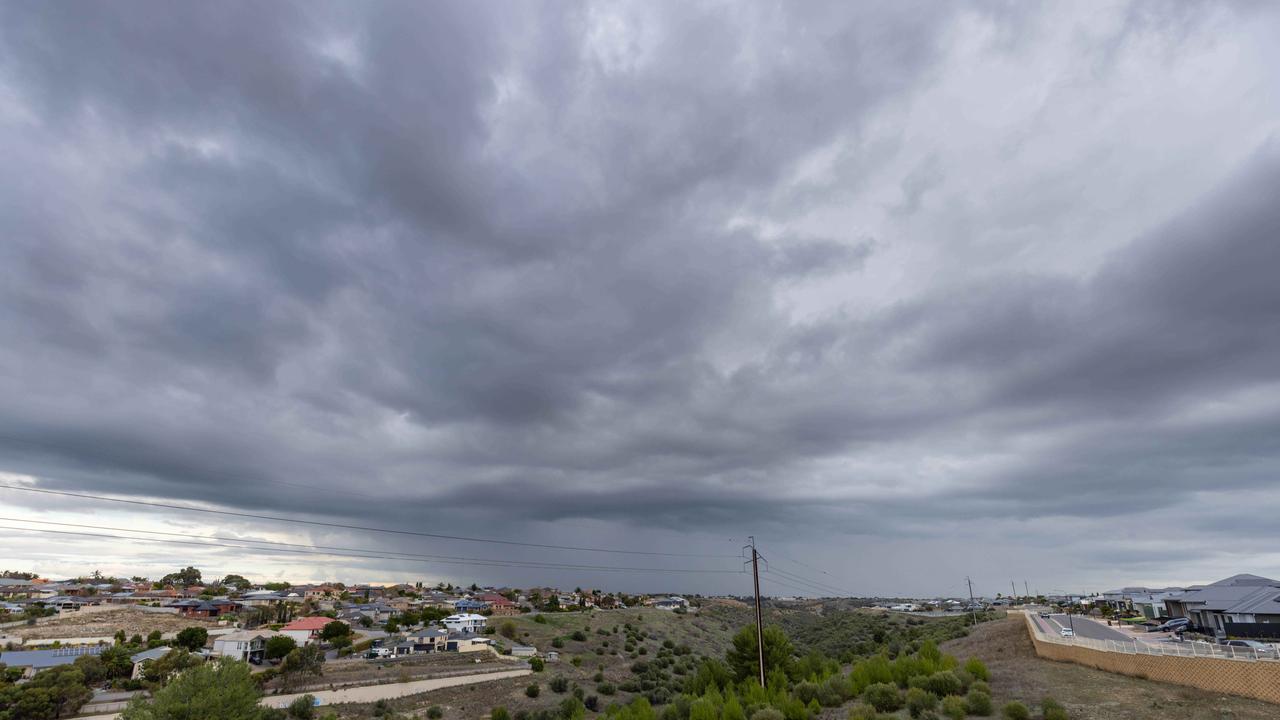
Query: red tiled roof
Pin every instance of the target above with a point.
(308, 623)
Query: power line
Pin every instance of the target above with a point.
(816, 585)
(487, 563)
(377, 552)
(775, 581)
(366, 528)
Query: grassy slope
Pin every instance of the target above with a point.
(1018, 674)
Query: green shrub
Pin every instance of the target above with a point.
(434, 712)
(919, 700)
(1015, 711)
(1051, 709)
(541, 620)
(606, 688)
(304, 708)
(862, 711)
(557, 642)
(883, 697)
(943, 684)
(980, 686)
(579, 636)
(536, 664)
(500, 713)
(767, 713)
(954, 707)
(977, 669)
(558, 684)
(979, 703)
(533, 690)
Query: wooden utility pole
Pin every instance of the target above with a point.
(755, 576)
(972, 610)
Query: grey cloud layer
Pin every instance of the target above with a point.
(489, 259)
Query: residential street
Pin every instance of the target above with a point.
(1087, 628)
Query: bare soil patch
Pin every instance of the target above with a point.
(106, 623)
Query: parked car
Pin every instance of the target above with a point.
(1068, 632)
(1174, 625)
(1044, 615)
(1261, 648)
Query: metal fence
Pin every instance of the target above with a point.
(1139, 647)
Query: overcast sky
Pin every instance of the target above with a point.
(909, 291)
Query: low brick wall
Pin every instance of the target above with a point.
(1255, 679)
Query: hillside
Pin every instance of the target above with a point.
(1018, 674)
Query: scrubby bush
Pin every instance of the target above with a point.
(883, 697)
(591, 703)
(954, 707)
(435, 712)
(1051, 709)
(862, 711)
(767, 713)
(558, 684)
(500, 713)
(979, 703)
(1015, 711)
(541, 620)
(919, 700)
(536, 664)
(304, 708)
(943, 684)
(557, 642)
(606, 688)
(533, 690)
(977, 669)
(980, 686)
(579, 636)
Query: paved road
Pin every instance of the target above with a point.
(1087, 628)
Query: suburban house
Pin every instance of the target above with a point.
(1149, 602)
(33, 661)
(18, 588)
(429, 640)
(671, 603)
(467, 642)
(307, 629)
(468, 605)
(1224, 606)
(205, 608)
(141, 659)
(498, 604)
(246, 645)
(466, 622)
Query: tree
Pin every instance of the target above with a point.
(238, 582)
(334, 630)
(184, 577)
(304, 708)
(174, 661)
(306, 660)
(507, 629)
(53, 693)
(279, 646)
(221, 690)
(743, 657)
(192, 638)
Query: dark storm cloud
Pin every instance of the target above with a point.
(502, 261)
